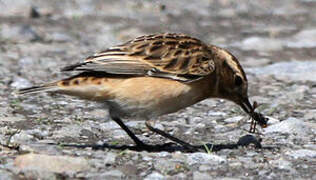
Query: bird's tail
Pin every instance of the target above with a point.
(40, 88)
(86, 85)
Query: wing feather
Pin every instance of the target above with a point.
(174, 56)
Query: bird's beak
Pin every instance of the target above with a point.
(249, 109)
(246, 106)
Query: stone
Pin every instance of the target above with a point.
(288, 71)
(25, 148)
(21, 33)
(255, 62)
(310, 114)
(234, 119)
(301, 153)
(59, 37)
(107, 158)
(6, 175)
(57, 164)
(162, 154)
(165, 165)
(11, 119)
(71, 130)
(200, 176)
(304, 39)
(155, 176)
(22, 136)
(19, 83)
(282, 164)
(214, 113)
(27, 61)
(109, 126)
(147, 158)
(112, 174)
(205, 167)
(33, 174)
(272, 120)
(297, 92)
(159, 126)
(180, 176)
(261, 44)
(290, 125)
(204, 158)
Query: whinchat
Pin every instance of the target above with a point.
(154, 75)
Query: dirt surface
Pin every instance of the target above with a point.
(275, 42)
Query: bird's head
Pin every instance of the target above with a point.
(232, 80)
(233, 84)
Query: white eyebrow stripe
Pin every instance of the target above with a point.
(229, 61)
(233, 64)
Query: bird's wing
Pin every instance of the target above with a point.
(174, 56)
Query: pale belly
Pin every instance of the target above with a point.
(141, 97)
(147, 99)
(145, 110)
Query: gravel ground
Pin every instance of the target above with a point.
(275, 42)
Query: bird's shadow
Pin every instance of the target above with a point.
(172, 147)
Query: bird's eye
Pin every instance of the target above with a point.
(238, 80)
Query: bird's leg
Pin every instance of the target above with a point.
(169, 147)
(140, 146)
(129, 132)
(168, 136)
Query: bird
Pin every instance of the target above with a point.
(154, 75)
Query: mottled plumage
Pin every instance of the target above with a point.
(174, 56)
(155, 75)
